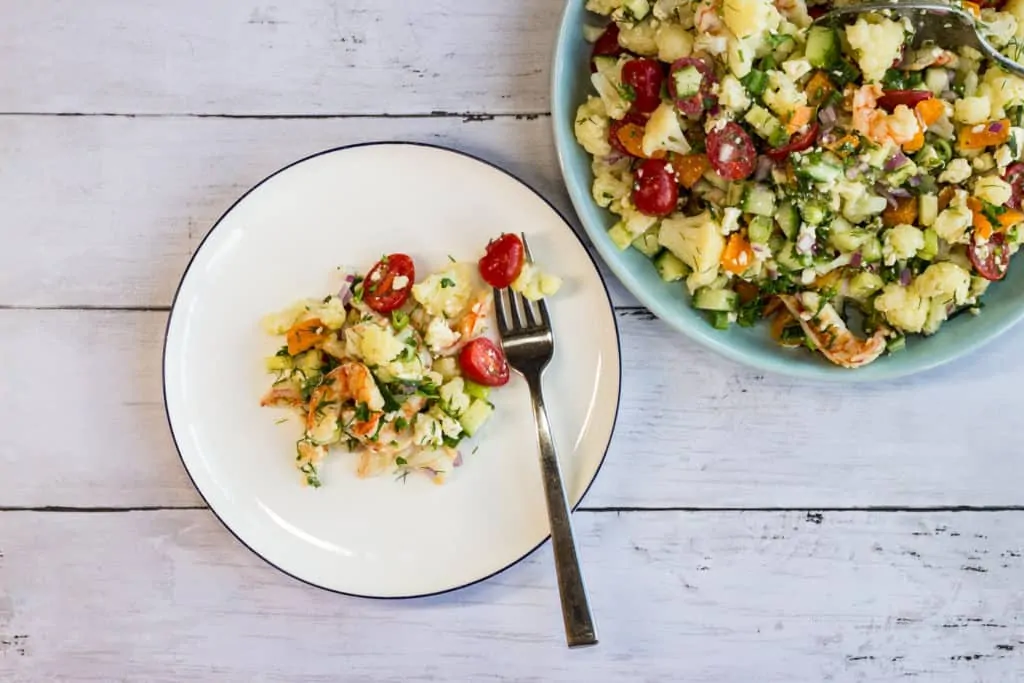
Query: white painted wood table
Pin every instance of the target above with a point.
(745, 527)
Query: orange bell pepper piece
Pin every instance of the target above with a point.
(915, 144)
(974, 8)
(818, 88)
(305, 335)
(983, 226)
(930, 111)
(738, 256)
(690, 168)
(985, 134)
(800, 118)
(846, 145)
(631, 136)
(904, 213)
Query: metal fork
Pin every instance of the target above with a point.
(526, 337)
(934, 21)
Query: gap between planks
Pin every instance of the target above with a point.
(468, 116)
(811, 512)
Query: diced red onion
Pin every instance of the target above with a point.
(345, 291)
(856, 259)
(905, 277)
(897, 160)
(915, 181)
(900, 192)
(457, 462)
(852, 173)
(764, 168)
(827, 117)
(995, 127)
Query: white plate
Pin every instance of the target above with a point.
(283, 241)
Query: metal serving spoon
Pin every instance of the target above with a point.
(934, 22)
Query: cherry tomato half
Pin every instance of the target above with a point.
(656, 190)
(503, 261)
(1014, 175)
(731, 152)
(606, 45)
(484, 363)
(645, 77)
(693, 105)
(615, 126)
(797, 143)
(894, 98)
(992, 258)
(379, 288)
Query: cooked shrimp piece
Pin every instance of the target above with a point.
(708, 18)
(353, 381)
(310, 453)
(826, 328)
(795, 11)
(282, 395)
(474, 322)
(900, 127)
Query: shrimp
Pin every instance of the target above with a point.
(830, 334)
(708, 18)
(282, 395)
(875, 124)
(353, 381)
(795, 11)
(474, 322)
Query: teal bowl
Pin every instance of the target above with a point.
(1004, 302)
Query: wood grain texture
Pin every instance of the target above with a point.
(701, 431)
(323, 57)
(706, 597)
(109, 210)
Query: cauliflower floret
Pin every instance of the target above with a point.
(332, 312)
(903, 123)
(680, 10)
(453, 395)
(427, 431)
(535, 284)
(875, 45)
(957, 171)
(945, 282)
(591, 127)
(951, 225)
(1003, 157)
(993, 190)
(748, 17)
(796, 69)
(610, 186)
(604, 7)
(282, 321)
(446, 293)
(1002, 90)
(376, 345)
(863, 207)
(663, 132)
(731, 220)
(1000, 27)
(741, 53)
(608, 84)
(450, 427)
(782, 95)
(697, 241)
(639, 37)
(901, 243)
(674, 42)
(972, 110)
(637, 223)
(1016, 8)
(733, 95)
(439, 336)
(903, 307)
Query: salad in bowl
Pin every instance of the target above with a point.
(849, 187)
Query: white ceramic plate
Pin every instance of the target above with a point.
(284, 241)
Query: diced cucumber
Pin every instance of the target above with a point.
(778, 138)
(478, 412)
(604, 64)
(647, 243)
(446, 366)
(937, 80)
(279, 363)
(592, 33)
(790, 260)
(764, 123)
(309, 361)
(864, 284)
(928, 158)
(760, 229)
(876, 156)
(819, 168)
(620, 236)
(474, 390)
(814, 212)
(931, 245)
(759, 200)
(822, 47)
(719, 319)
(927, 209)
(896, 344)
(902, 174)
(871, 250)
(687, 81)
(755, 82)
(724, 300)
(788, 219)
(734, 193)
(670, 268)
(635, 9)
(848, 240)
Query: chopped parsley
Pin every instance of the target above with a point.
(447, 282)
(362, 412)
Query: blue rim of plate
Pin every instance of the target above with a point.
(563, 114)
(387, 143)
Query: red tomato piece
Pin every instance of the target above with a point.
(503, 261)
(379, 287)
(991, 258)
(731, 152)
(1014, 175)
(693, 105)
(484, 363)
(613, 130)
(797, 143)
(645, 77)
(607, 45)
(656, 191)
(894, 98)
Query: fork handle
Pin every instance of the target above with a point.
(579, 624)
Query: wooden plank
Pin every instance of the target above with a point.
(115, 222)
(298, 57)
(707, 597)
(694, 429)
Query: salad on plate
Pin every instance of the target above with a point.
(849, 187)
(394, 369)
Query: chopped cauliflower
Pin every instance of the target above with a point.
(535, 284)
(674, 42)
(608, 83)
(956, 172)
(796, 69)
(1002, 90)
(748, 17)
(372, 344)
(591, 127)
(604, 7)
(450, 427)
(903, 124)
(741, 53)
(876, 45)
(972, 110)
(901, 243)
(993, 190)
(282, 321)
(663, 132)
(952, 223)
(611, 183)
(439, 336)
(697, 241)
(427, 431)
(637, 223)
(639, 37)
(453, 395)
(945, 282)
(782, 95)
(446, 293)
(903, 307)
(733, 95)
